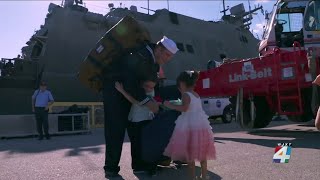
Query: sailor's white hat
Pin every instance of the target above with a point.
(169, 44)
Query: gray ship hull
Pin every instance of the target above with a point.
(69, 33)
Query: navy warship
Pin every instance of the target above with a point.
(55, 51)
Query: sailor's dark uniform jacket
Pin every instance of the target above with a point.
(132, 69)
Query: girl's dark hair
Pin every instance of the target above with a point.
(188, 77)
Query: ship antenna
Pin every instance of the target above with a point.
(148, 7)
(168, 4)
(224, 8)
(250, 13)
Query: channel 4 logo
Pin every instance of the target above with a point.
(282, 153)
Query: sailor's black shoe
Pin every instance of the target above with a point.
(109, 174)
(152, 172)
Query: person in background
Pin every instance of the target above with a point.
(222, 57)
(317, 121)
(41, 100)
(2, 73)
(213, 64)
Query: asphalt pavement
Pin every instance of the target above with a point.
(241, 154)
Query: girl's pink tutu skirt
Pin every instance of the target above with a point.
(191, 145)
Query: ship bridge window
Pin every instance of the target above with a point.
(190, 48)
(180, 47)
(173, 18)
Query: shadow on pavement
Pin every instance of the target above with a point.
(306, 125)
(302, 139)
(176, 174)
(76, 144)
(220, 127)
(116, 178)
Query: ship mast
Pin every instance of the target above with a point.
(247, 21)
(250, 13)
(224, 8)
(148, 7)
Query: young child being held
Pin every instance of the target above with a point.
(139, 117)
(192, 139)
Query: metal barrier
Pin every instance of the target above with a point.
(25, 125)
(96, 112)
(73, 123)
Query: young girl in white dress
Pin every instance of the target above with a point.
(192, 139)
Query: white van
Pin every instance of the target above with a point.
(218, 107)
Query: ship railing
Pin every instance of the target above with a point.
(95, 113)
(5, 59)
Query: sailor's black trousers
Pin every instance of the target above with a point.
(135, 135)
(116, 111)
(41, 116)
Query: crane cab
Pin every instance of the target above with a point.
(312, 25)
(284, 26)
